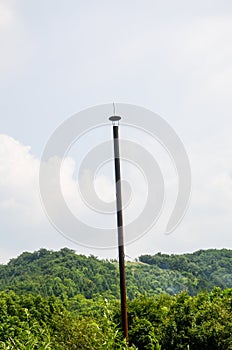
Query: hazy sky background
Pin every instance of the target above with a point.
(172, 57)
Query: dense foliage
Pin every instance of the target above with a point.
(60, 300)
(205, 268)
(66, 274)
(30, 322)
(162, 322)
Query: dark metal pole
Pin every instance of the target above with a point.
(122, 271)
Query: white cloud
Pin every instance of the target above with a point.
(18, 182)
(207, 223)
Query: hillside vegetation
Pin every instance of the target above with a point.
(64, 301)
(66, 274)
(163, 322)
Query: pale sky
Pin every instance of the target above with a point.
(60, 57)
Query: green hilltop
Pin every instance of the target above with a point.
(64, 273)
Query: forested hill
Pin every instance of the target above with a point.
(65, 274)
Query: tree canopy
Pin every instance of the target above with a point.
(64, 273)
(61, 300)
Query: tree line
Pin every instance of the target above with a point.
(65, 274)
